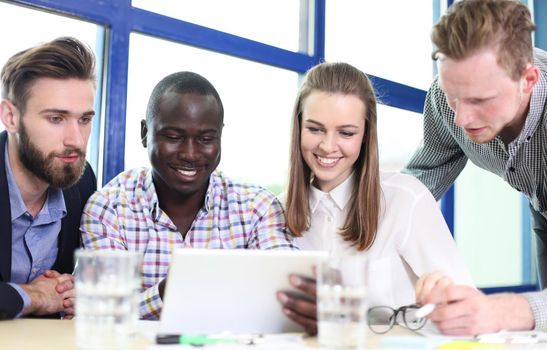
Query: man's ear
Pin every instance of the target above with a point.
(9, 116)
(144, 131)
(529, 78)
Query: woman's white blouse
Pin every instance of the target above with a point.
(412, 238)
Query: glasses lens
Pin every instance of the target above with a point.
(411, 321)
(380, 319)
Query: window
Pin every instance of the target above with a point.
(489, 229)
(51, 26)
(271, 22)
(257, 100)
(487, 210)
(388, 38)
(399, 134)
(273, 46)
(365, 27)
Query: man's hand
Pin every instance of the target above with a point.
(44, 298)
(427, 282)
(301, 308)
(463, 310)
(65, 286)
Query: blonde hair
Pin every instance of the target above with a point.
(473, 25)
(364, 206)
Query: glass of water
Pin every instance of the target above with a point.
(105, 288)
(342, 309)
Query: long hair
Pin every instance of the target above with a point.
(62, 58)
(473, 25)
(364, 206)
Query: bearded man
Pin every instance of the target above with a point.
(47, 106)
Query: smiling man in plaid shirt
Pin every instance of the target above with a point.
(182, 201)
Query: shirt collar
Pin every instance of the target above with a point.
(55, 206)
(55, 202)
(214, 189)
(340, 195)
(152, 196)
(538, 103)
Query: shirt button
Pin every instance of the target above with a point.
(329, 219)
(511, 169)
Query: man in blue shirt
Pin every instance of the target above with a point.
(48, 94)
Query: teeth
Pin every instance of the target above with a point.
(327, 160)
(187, 172)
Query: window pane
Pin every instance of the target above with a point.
(399, 135)
(271, 22)
(257, 102)
(488, 227)
(388, 38)
(49, 26)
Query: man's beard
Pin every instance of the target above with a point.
(43, 166)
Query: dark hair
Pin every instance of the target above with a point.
(364, 206)
(182, 83)
(473, 25)
(62, 58)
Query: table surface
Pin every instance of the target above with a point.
(22, 334)
(47, 334)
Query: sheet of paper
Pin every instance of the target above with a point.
(239, 347)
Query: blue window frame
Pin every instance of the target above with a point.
(120, 19)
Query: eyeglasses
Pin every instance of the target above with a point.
(382, 318)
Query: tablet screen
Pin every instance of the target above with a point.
(231, 290)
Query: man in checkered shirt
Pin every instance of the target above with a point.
(488, 105)
(182, 201)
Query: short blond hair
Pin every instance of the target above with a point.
(473, 25)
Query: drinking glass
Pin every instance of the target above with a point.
(105, 294)
(342, 310)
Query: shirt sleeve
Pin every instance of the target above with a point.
(24, 296)
(538, 303)
(439, 159)
(429, 246)
(101, 229)
(270, 229)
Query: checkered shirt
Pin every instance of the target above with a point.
(125, 215)
(446, 148)
(522, 163)
(538, 304)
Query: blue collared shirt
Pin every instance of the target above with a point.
(34, 240)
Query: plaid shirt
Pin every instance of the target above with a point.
(125, 215)
(446, 148)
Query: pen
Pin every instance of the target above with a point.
(425, 310)
(200, 340)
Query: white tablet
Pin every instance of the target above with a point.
(234, 290)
